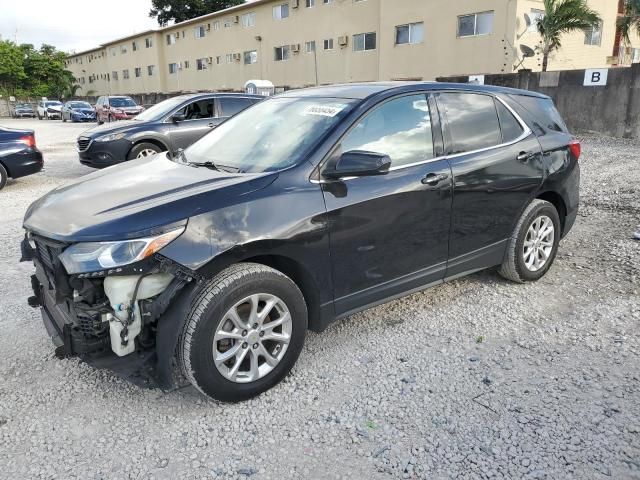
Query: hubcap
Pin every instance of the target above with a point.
(146, 153)
(538, 243)
(252, 338)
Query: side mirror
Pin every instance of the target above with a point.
(359, 163)
(178, 117)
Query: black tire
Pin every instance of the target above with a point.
(195, 347)
(514, 267)
(3, 176)
(139, 147)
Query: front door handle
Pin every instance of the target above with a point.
(434, 179)
(211, 125)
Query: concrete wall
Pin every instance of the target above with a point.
(612, 110)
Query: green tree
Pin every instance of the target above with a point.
(166, 11)
(12, 72)
(560, 17)
(629, 20)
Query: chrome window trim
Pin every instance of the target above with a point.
(526, 131)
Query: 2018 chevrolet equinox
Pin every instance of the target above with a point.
(304, 208)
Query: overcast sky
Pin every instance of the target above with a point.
(73, 24)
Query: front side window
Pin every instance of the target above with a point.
(411, 33)
(271, 135)
(593, 35)
(281, 11)
(250, 57)
(364, 41)
(400, 128)
(475, 24)
(198, 110)
(472, 121)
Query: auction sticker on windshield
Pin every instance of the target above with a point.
(330, 110)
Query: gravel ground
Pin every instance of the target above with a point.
(474, 379)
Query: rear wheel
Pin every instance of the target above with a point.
(142, 150)
(3, 176)
(534, 243)
(244, 333)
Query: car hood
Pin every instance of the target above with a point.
(57, 108)
(122, 126)
(136, 198)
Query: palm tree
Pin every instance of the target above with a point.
(629, 20)
(560, 17)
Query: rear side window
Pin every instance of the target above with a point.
(231, 106)
(510, 127)
(543, 112)
(472, 120)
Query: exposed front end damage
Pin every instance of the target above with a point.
(118, 319)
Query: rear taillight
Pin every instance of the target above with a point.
(28, 140)
(575, 148)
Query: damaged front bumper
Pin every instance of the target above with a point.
(81, 319)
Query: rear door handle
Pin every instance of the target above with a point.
(525, 156)
(434, 179)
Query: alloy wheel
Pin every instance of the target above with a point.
(252, 338)
(147, 152)
(538, 243)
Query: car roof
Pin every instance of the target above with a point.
(362, 91)
(191, 96)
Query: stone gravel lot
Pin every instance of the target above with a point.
(474, 379)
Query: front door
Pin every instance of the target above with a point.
(199, 119)
(389, 233)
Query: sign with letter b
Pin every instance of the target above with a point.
(595, 77)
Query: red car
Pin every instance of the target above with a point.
(110, 108)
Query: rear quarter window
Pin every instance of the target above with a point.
(511, 128)
(543, 112)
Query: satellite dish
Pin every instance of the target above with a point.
(527, 20)
(527, 52)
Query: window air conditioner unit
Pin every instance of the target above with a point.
(208, 27)
(343, 41)
(295, 4)
(237, 57)
(295, 48)
(236, 19)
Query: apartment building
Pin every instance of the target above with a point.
(297, 43)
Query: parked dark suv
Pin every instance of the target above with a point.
(168, 126)
(304, 208)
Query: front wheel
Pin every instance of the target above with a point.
(534, 243)
(142, 150)
(3, 176)
(244, 332)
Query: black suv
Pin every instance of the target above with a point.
(170, 125)
(305, 208)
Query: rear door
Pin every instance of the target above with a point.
(497, 165)
(199, 120)
(389, 233)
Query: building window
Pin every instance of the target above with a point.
(138, 72)
(134, 46)
(171, 39)
(310, 47)
(200, 31)
(327, 2)
(364, 41)
(218, 60)
(250, 57)
(151, 70)
(123, 49)
(201, 64)
(216, 25)
(229, 58)
(282, 53)
(411, 33)
(186, 64)
(328, 44)
(535, 16)
(114, 75)
(125, 74)
(227, 22)
(148, 42)
(248, 19)
(475, 24)
(113, 51)
(281, 11)
(593, 35)
(173, 68)
(310, 3)
(635, 55)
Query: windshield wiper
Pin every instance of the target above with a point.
(210, 165)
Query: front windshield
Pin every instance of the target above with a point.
(122, 102)
(79, 105)
(271, 135)
(52, 104)
(159, 110)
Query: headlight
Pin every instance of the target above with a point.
(94, 256)
(111, 137)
